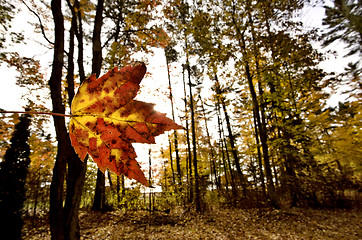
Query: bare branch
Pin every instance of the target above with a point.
(39, 113)
(41, 24)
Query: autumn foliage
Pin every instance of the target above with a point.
(106, 120)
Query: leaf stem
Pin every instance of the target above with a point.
(39, 113)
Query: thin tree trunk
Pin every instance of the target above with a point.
(212, 150)
(110, 181)
(234, 150)
(178, 165)
(262, 107)
(189, 154)
(171, 163)
(150, 179)
(165, 174)
(224, 145)
(193, 130)
(123, 192)
(233, 186)
(260, 161)
(223, 155)
(117, 191)
(263, 136)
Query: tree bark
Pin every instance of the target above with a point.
(76, 167)
(56, 187)
(99, 195)
(96, 40)
(99, 201)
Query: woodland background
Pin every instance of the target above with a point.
(242, 77)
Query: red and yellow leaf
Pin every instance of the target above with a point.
(106, 120)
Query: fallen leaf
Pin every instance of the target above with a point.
(106, 120)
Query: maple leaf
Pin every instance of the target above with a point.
(106, 120)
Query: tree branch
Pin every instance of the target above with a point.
(41, 24)
(39, 113)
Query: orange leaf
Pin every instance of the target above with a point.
(106, 121)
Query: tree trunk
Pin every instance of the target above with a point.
(151, 206)
(178, 165)
(260, 161)
(56, 187)
(110, 181)
(189, 154)
(75, 183)
(222, 151)
(76, 167)
(171, 164)
(261, 105)
(193, 130)
(263, 136)
(99, 195)
(212, 150)
(96, 39)
(117, 191)
(234, 151)
(99, 201)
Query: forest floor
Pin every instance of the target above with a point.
(294, 223)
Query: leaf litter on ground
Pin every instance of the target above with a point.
(218, 223)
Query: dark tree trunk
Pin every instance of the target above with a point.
(56, 187)
(99, 195)
(97, 47)
(75, 183)
(76, 167)
(118, 186)
(222, 151)
(193, 131)
(99, 201)
(233, 186)
(189, 160)
(259, 157)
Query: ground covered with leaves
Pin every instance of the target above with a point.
(294, 223)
